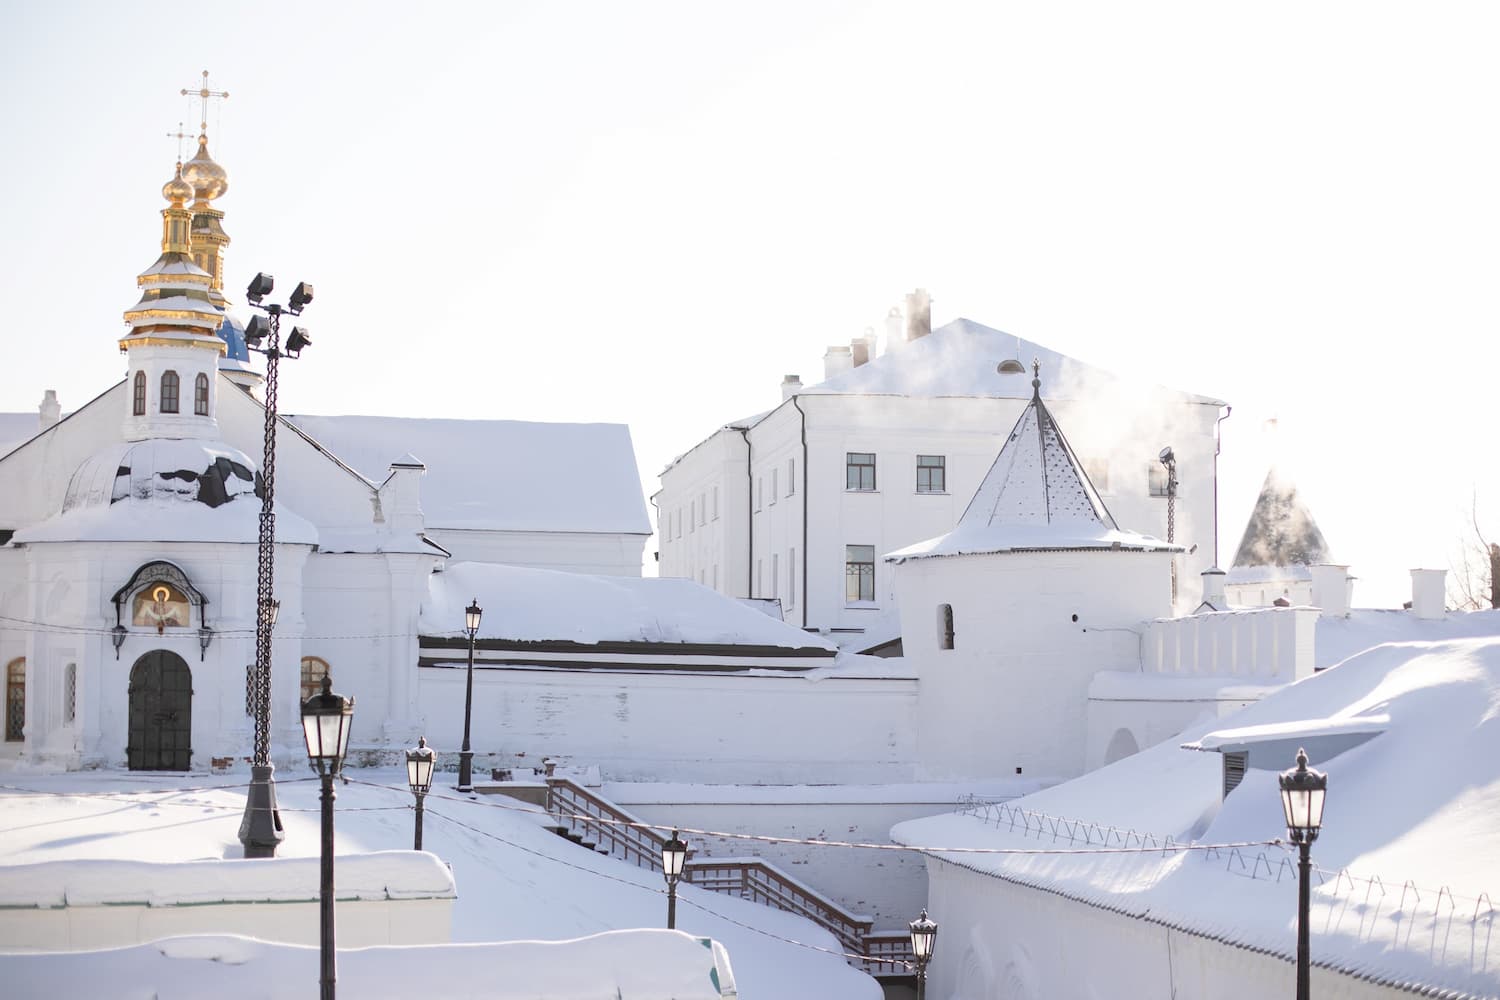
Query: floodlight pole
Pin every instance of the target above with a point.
(260, 828)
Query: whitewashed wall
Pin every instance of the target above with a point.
(603, 553)
(1031, 630)
(1001, 941)
(668, 726)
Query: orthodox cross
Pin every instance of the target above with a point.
(204, 94)
(179, 135)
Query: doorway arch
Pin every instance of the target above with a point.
(161, 713)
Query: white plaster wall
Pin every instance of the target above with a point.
(1031, 630)
(715, 548)
(1265, 646)
(1001, 941)
(666, 726)
(1149, 721)
(361, 923)
(34, 478)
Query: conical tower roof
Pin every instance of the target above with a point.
(1035, 497)
(1281, 531)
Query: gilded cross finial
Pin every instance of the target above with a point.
(204, 93)
(179, 135)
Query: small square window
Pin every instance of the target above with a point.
(1156, 479)
(859, 471)
(932, 474)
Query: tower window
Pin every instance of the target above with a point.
(200, 395)
(169, 392)
(139, 406)
(945, 626)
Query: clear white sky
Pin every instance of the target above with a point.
(650, 212)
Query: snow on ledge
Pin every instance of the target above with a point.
(381, 875)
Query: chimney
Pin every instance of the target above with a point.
(894, 335)
(1428, 590)
(790, 386)
(50, 412)
(838, 359)
(1330, 589)
(1213, 588)
(401, 496)
(918, 314)
(859, 350)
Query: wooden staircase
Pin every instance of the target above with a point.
(594, 822)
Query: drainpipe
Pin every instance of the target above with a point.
(749, 516)
(805, 597)
(652, 501)
(1218, 442)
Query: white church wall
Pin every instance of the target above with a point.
(1264, 646)
(1000, 939)
(1121, 726)
(670, 726)
(1030, 632)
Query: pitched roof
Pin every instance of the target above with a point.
(499, 475)
(1035, 496)
(960, 358)
(1281, 531)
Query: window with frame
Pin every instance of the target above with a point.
(15, 700)
(775, 479)
(1156, 479)
(791, 477)
(945, 626)
(170, 389)
(932, 474)
(859, 573)
(716, 503)
(314, 669)
(791, 577)
(200, 395)
(138, 406)
(775, 573)
(859, 471)
(70, 694)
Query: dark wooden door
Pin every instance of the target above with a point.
(161, 713)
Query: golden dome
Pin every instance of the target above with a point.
(177, 190)
(207, 178)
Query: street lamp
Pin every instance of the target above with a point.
(1302, 794)
(472, 614)
(673, 856)
(419, 763)
(923, 938)
(260, 828)
(325, 727)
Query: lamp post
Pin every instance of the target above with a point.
(923, 938)
(325, 727)
(673, 856)
(260, 829)
(472, 614)
(1169, 460)
(419, 763)
(1302, 794)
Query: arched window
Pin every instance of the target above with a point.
(158, 605)
(70, 693)
(200, 395)
(139, 406)
(313, 672)
(945, 626)
(169, 390)
(15, 700)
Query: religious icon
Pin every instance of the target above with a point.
(160, 605)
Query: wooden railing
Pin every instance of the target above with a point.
(598, 820)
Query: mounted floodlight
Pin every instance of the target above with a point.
(297, 340)
(258, 330)
(301, 296)
(1010, 366)
(1167, 457)
(260, 286)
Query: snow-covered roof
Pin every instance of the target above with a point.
(1036, 496)
(1414, 806)
(511, 475)
(960, 359)
(16, 429)
(1281, 531)
(538, 605)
